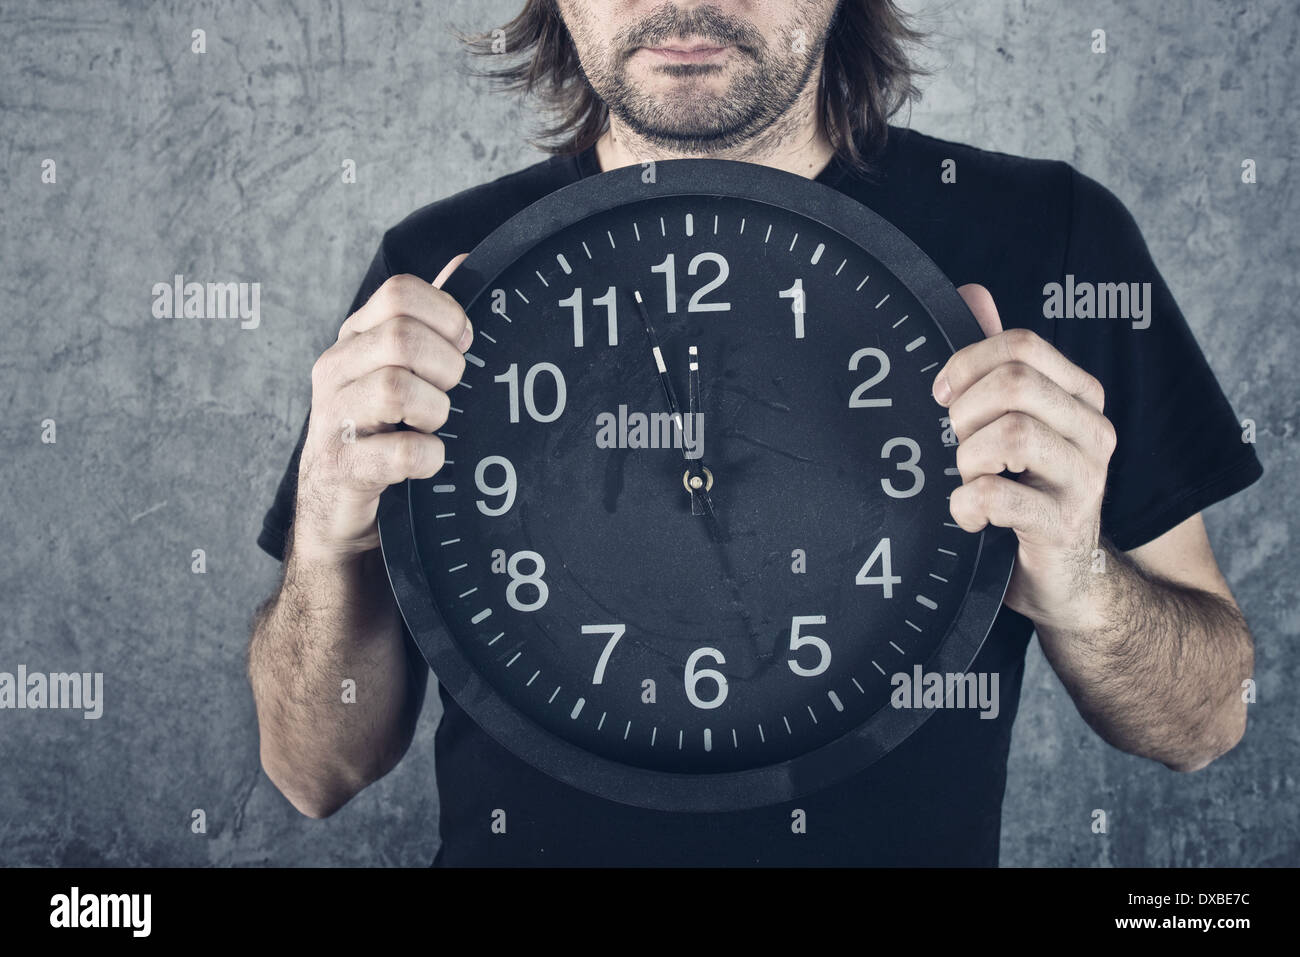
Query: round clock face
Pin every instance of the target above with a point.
(694, 515)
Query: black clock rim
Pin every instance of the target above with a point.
(824, 766)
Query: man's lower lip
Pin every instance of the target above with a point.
(702, 55)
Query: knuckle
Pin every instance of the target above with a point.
(955, 368)
(1019, 343)
(1095, 390)
(452, 363)
(1097, 490)
(393, 382)
(436, 452)
(417, 455)
(1021, 338)
(986, 491)
(979, 496)
(1017, 429)
(321, 370)
(1018, 379)
(401, 337)
(958, 506)
(441, 408)
(965, 456)
(393, 389)
(1108, 438)
(957, 420)
(399, 291)
(407, 453)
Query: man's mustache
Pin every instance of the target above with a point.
(706, 24)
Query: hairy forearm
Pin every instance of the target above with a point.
(1155, 668)
(331, 622)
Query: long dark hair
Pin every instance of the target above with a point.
(867, 75)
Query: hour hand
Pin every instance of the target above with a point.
(697, 479)
(697, 483)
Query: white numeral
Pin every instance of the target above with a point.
(511, 378)
(855, 400)
(609, 301)
(506, 488)
(615, 633)
(907, 466)
(693, 677)
(798, 641)
(795, 293)
(886, 579)
(534, 578)
(697, 304)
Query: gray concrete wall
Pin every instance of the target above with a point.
(171, 435)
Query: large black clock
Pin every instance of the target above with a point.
(694, 513)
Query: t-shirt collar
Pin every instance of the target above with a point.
(587, 164)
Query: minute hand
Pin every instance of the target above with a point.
(664, 379)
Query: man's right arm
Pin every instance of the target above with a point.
(333, 618)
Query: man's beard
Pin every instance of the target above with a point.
(695, 120)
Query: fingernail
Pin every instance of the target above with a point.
(942, 390)
(467, 336)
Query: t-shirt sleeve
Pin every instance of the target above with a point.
(275, 524)
(1180, 447)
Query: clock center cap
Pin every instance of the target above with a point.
(695, 482)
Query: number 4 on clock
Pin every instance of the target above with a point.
(886, 579)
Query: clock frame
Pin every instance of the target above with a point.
(600, 774)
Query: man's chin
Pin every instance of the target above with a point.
(690, 137)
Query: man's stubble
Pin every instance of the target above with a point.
(760, 106)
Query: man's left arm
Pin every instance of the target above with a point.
(1149, 643)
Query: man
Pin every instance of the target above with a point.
(1116, 427)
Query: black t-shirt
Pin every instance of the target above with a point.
(1014, 225)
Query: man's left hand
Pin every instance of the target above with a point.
(1016, 404)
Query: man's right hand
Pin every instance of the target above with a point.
(395, 360)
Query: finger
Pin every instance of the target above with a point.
(466, 337)
(402, 341)
(967, 366)
(1017, 442)
(389, 396)
(448, 269)
(410, 296)
(387, 458)
(980, 302)
(994, 500)
(1017, 387)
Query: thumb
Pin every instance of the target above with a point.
(450, 268)
(980, 302)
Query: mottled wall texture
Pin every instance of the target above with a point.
(171, 435)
